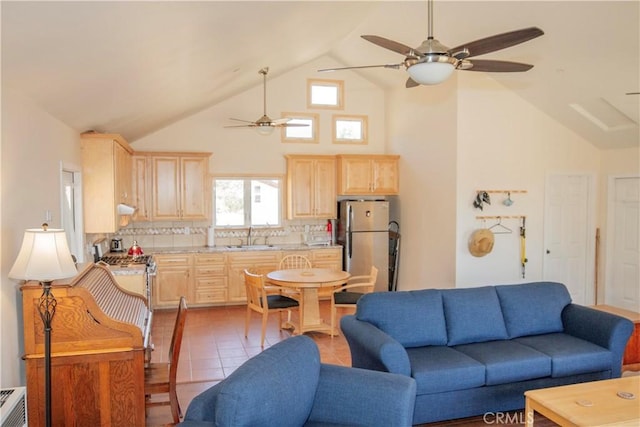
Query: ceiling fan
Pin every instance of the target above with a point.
(432, 62)
(265, 125)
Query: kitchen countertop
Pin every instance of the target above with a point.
(138, 269)
(235, 248)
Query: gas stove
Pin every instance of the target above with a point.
(127, 260)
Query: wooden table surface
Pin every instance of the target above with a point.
(594, 403)
(308, 281)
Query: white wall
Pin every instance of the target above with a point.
(240, 150)
(505, 143)
(33, 145)
(421, 128)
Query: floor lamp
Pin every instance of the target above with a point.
(44, 256)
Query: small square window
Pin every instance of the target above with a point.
(308, 133)
(349, 129)
(325, 94)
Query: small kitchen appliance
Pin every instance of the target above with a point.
(135, 250)
(116, 245)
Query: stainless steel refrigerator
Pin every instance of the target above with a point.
(364, 234)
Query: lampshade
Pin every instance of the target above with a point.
(44, 256)
(430, 73)
(265, 129)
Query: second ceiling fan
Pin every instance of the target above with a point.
(265, 125)
(432, 62)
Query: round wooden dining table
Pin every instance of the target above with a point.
(308, 281)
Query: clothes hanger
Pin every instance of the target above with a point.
(498, 228)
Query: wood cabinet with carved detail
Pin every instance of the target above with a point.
(180, 184)
(311, 186)
(368, 174)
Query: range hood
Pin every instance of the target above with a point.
(126, 209)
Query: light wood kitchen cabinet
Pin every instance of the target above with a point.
(141, 187)
(311, 186)
(180, 186)
(210, 278)
(106, 180)
(368, 175)
(257, 260)
(174, 278)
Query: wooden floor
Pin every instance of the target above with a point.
(214, 346)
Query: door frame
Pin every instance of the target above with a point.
(590, 230)
(609, 241)
(77, 204)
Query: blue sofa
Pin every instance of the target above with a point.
(477, 350)
(286, 385)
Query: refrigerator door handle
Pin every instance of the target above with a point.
(349, 232)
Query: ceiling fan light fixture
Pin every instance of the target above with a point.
(432, 71)
(264, 129)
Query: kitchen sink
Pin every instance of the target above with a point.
(250, 247)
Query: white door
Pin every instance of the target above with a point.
(569, 237)
(623, 248)
(71, 206)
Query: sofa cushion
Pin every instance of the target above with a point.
(413, 318)
(441, 368)
(533, 308)
(293, 368)
(508, 361)
(473, 315)
(570, 355)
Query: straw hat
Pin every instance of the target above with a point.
(481, 242)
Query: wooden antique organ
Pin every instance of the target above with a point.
(100, 334)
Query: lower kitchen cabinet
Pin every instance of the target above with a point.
(262, 262)
(210, 278)
(173, 280)
(218, 278)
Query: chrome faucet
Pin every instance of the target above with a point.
(249, 237)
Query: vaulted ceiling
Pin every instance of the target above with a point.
(135, 67)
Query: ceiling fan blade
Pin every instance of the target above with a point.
(241, 120)
(392, 45)
(394, 66)
(241, 126)
(494, 66)
(632, 93)
(291, 125)
(499, 41)
(411, 83)
(280, 121)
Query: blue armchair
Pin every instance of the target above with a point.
(286, 385)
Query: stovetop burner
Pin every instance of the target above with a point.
(125, 259)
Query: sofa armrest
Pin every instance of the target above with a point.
(202, 408)
(352, 396)
(373, 349)
(604, 329)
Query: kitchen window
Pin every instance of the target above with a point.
(242, 202)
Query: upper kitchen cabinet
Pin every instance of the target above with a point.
(180, 186)
(368, 175)
(141, 186)
(106, 180)
(311, 186)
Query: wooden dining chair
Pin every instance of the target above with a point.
(161, 377)
(344, 296)
(260, 301)
(294, 261)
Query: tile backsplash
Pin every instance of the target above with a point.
(183, 234)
